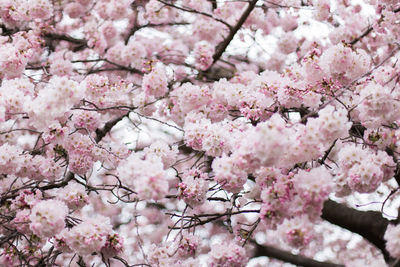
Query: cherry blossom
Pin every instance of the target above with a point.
(199, 133)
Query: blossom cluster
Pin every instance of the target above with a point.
(193, 187)
(227, 254)
(362, 169)
(134, 172)
(265, 134)
(297, 231)
(90, 236)
(392, 240)
(203, 54)
(378, 105)
(304, 188)
(48, 218)
(207, 136)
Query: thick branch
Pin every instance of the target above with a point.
(6, 31)
(67, 38)
(289, 257)
(100, 133)
(369, 224)
(81, 43)
(222, 46)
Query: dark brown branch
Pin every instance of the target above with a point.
(222, 46)
(397, 178)
(286, 256)
(100, 133)
(365, 33)
(6, 31)
(369, 224)
(62, 37)
(214, 3)
(66, 180)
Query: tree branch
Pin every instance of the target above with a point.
(55, 36)
(365, 33)
(82, 43)
(286, 256)
(369, 30)
(6, 31)
(222, 46)
(100, 133)
(197, 12)
(369, 224)
(152, 25)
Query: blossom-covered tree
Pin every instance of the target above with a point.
(199, 133)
